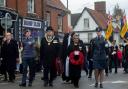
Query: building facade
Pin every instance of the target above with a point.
(34, 15)
(86, 22)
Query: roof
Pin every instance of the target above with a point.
(56, 4)
(74, 18)
(99, 18)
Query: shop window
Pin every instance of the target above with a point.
(31, 6)
(2, 3)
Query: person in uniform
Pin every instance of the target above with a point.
(10, 55)
(76, 55)
(28, 58)
(99, 57)
(48, 54)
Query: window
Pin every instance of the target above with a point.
(60, 23)
(89, 36)
(49, 18)
(2, 3)
(86, 23)
(31, 5)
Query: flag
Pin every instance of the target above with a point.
(109, 29)
(124, 27)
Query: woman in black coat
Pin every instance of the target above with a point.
(76, 58)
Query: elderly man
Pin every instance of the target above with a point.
(48, 54)
(10, 54)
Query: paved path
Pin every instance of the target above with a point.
(113, 81)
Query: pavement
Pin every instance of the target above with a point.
(113, 81)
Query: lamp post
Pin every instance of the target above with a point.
(67, 4)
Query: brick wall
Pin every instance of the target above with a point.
(23, 8)
(100, 6)
(54, 18)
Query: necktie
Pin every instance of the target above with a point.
(98, 38)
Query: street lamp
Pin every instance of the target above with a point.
(67, 4)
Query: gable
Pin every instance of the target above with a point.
(79, 26)
(95, 18)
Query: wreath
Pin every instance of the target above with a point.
(76, 62)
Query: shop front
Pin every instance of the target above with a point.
(35, 26)
(8, 20)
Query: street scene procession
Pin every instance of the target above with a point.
(63, 44)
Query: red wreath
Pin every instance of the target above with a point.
(76, 62)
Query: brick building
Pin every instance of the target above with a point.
(34, 15)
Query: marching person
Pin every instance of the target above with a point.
(76, 55)
(99, 57)
(113, 59)
(28, 58)
(10, 55)
(48, 54)
(67, 40)
(89, 58)
(3, 67)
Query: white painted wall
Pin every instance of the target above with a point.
(80, 26)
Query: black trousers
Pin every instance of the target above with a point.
(90, 68)
(11, 73)
(48, 69)
(115, 61)
(75, 81)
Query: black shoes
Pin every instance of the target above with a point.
(48, 83)
(22, 84)
(89, 77)
(76, 86)
(101, 85)
(11, 81)
(51, 84)
(96, 85)
(45, 84)
(30, 84)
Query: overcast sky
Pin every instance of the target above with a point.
(77, 5)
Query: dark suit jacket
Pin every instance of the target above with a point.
(9, 53)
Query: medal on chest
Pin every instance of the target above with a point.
(49, 40)
(49, 43)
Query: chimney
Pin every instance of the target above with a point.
(100, 6)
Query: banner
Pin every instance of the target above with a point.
(109, 31)
(124, 28)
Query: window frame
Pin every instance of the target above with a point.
(4, 3)
(86, 23)
(60, 23)
(31, 6)
(48, 17)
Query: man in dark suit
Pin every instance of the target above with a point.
(67, 40)
(10, 55)
(48, 54)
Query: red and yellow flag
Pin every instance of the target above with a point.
(124, 28)
(109, 31)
